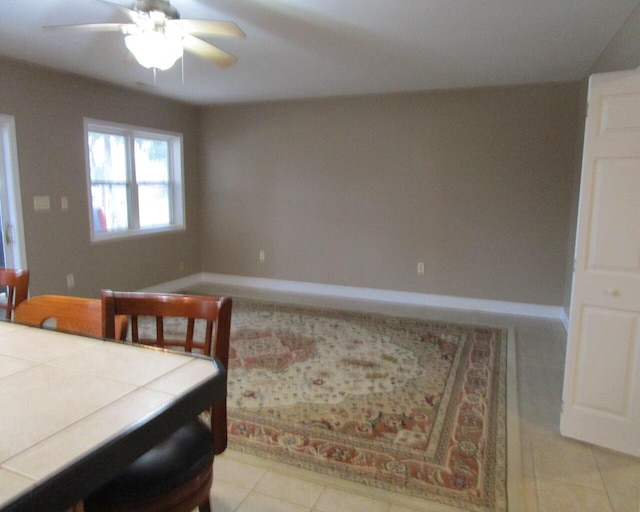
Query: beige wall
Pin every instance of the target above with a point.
(49, 108)
(475, 183)
(348, 191)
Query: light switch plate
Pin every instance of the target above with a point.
(41, 203)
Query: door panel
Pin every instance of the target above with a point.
(614, 244)
(620, 112)
(596, 357)
(601, 396)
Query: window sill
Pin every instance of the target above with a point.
(115, 236)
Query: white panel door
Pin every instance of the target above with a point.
(601, 396)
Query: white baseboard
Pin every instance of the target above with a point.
(176, 285)
(367, 294)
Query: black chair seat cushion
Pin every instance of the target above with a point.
(179, 458)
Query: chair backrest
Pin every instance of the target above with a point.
(71, 314)
(215, 312)
(17, 283)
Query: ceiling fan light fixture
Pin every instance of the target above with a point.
(157, 36)
(154, 50)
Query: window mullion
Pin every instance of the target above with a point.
(134, 212)
(171, 179)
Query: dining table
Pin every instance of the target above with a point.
(75, 410)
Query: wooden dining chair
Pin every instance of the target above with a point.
(176, 475)
(70, 314)
(17, 285)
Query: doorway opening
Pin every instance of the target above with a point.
(12, 249)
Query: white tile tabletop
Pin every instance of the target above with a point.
(64, 398)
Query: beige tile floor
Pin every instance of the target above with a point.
(560, 475)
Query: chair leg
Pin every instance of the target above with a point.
(205, 506)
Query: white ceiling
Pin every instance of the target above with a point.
(316, 48)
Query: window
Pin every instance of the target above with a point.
(135, 180)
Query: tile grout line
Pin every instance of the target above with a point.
(604, 483)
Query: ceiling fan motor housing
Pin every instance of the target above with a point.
(148, 6)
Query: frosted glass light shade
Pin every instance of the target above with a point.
(154, 49)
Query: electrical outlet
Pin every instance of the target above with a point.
(420, 268)
(70, 281)
(261, 255)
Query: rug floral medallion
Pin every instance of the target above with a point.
(406, 405)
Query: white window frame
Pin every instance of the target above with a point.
(176, 179)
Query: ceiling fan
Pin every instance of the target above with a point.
(157, 35)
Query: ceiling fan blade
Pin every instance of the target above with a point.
(207, 27)
(208, 51)
(89, 27)
(125, 10)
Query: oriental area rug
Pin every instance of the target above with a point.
(410, 406)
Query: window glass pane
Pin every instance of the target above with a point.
(153, 202)
(107, 157)
(110, 210)
(152, 160)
